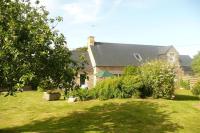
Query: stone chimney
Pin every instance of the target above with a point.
(91, 40)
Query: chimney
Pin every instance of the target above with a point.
(91, 40)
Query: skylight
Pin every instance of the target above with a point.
(137, 56)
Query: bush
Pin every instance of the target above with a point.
(154, 78)
(132, 86)
(185, 84)
(45, 85)
(81, 94)
(54, 91)
(131, 70)
(196, 89)
(40, 89)
(108, 88)
(118, 87)
(158, 78)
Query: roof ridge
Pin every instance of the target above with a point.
(133, 44)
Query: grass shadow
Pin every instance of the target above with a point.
(181, 97)
(134, 116)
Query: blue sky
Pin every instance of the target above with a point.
(153, 22)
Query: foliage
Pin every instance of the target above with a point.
(82, 49)
(132, 86)
(196, 89)
(108, 88)
(158, 78)
(54, 91)
(196, 64)
(45, 84)
(154, 78)
(185, 84)
(119, 87)
(32, 50)
(40, 89)
(81, 94)
(131, 70)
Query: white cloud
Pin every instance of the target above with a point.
(82, 11)
(141, 4)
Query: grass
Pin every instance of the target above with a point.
(28, 112)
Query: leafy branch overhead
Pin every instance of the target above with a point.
(31, 49)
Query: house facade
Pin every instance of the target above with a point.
(114, 57)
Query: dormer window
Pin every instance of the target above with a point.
(137, 56)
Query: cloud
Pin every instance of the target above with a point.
(141, 4)
(91, 11)
(81, 11)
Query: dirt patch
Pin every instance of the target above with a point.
(197, 106)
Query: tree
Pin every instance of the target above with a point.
(31, 49)
(196, 64)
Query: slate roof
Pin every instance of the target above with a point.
(76, 57)
(116, 54)
(185, 62)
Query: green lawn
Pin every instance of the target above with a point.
(28, 112)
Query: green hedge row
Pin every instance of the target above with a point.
(119, 87)
(154, 79)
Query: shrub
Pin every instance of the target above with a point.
(54, 91)
(108, 88)
(131, 70)
(118, 87)
(131, 86)
(40, 89)
(154, 78)
(81, 94)
(34, 83)
(158, 78)
(196, 89)
(84, 94)
(45, 85)
(185, 84)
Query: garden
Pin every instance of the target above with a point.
(136, 102)
(28, 112)
(34, 54)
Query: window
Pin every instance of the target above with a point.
(82, 79)
(137, 56)
(171, 54)
(171, 57)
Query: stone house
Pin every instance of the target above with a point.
(114, 57)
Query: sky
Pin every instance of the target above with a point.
(149, 22)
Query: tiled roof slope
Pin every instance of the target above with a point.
(116, 54)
